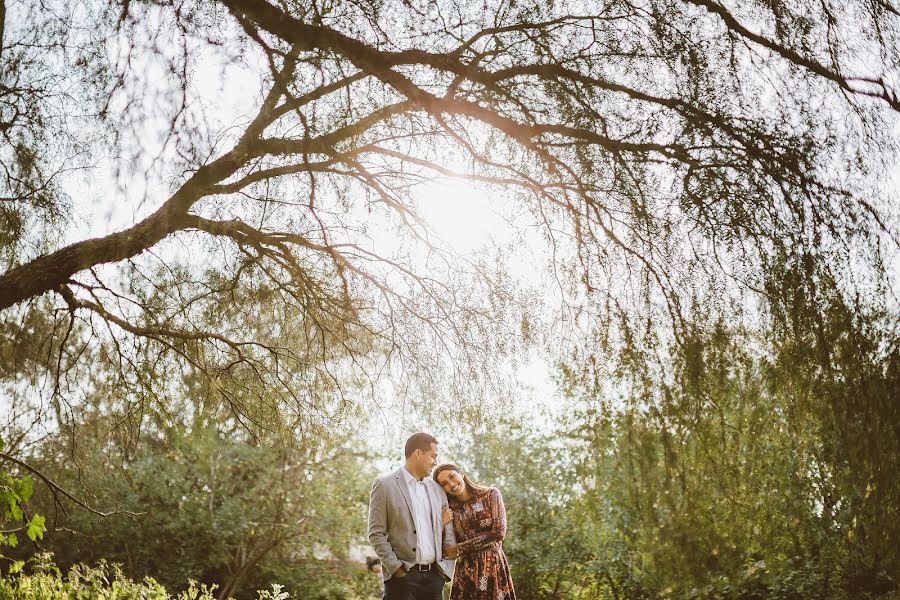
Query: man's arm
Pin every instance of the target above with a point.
(378, 529)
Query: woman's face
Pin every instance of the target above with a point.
(452, 482)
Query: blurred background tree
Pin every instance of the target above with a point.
(198, 504)
(743, 477)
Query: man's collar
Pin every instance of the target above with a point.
(410, 478)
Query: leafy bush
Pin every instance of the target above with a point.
(103, 582)
(320, 580)
(210, 509)
(14, 493)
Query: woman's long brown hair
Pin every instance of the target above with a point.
(474, 489)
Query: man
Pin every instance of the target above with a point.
(405, 526)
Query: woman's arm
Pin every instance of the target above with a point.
(498, 525)
(449, 533)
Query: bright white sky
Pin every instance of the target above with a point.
(473, 221)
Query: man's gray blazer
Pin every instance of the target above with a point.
(392, 529)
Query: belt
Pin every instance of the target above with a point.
(423, 567)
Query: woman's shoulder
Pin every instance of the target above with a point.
(492, 492)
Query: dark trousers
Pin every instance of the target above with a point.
(416, 585)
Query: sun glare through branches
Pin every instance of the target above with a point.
(462, 215)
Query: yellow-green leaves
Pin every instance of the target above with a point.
(14, 493)
(36, 528)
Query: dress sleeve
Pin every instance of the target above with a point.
(498, 526)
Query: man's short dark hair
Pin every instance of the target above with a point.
(419, 441)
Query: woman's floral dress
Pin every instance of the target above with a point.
(482, 572)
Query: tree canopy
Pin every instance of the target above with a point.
(713, 183)
(667, 148)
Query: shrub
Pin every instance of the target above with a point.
(103, 582)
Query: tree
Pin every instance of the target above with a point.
(690, 163)
(723, 483)
(639, 130)
(550, 550)
(747, 473)
(200, 505)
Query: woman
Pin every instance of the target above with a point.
(479, 519)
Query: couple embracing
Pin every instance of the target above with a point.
(421, 523)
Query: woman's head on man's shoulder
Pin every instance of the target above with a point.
(457, 483)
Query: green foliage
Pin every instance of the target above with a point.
(36, 528)
(312, 579)
(213, 509)
(745, 475)
(14, 493)
(105, 582)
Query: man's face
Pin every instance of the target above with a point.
(426, 460)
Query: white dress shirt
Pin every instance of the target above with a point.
(426, 553)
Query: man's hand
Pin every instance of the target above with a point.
(451, 551)
(399, 573)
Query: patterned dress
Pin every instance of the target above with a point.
(482, 572)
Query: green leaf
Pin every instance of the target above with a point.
(36, 528)
(12, 541)
(16, 567)
(24, 488)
